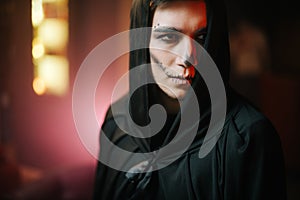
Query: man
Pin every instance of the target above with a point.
(245, 160)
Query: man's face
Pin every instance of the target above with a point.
(174, 27)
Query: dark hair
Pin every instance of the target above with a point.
(149, 7)
(154, 3)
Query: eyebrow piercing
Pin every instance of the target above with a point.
(156, 25)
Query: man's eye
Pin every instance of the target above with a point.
(201, 38)
(169, 38)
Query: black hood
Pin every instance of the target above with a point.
(216, 44)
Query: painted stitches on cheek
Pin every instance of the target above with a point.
(175, 77)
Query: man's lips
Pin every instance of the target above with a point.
(172, 74)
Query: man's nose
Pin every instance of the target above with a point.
(188, 56)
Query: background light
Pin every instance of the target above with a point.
(54, 34)
(49, 46)
(37, 12)
(39, 86)
(53, 70)
(38, 50)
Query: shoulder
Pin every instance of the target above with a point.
(245, 116)
(248, 117)
(252, 151)
(249, 127)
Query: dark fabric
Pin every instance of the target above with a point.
(245, 163)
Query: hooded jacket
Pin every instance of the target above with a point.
(246, 161)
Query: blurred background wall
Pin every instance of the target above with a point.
(38, 138)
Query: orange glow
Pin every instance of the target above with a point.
(55, 74)
(38, 50)
(37, 12)
(49, 46)
(39, 86)
(54, 34)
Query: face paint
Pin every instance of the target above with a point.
(173, 73)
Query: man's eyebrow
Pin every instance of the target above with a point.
(166, 29)
(173, 29)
